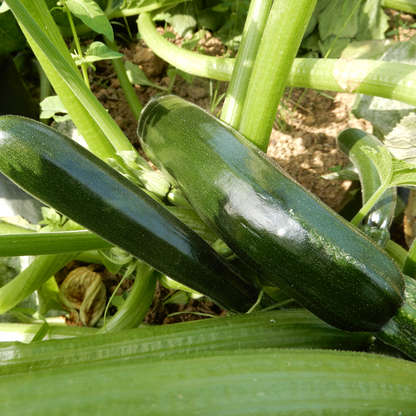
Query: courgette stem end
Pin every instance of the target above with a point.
(400, 331)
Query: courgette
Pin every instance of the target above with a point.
(69, 178)
(274, 225)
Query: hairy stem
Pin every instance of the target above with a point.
(253, 31)
(278, 47)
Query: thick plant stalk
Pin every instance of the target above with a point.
(59, 242)
(392, 80)
(272, 382)
(407, 6)
(278, 47)
(295, 328)
(253, 31)
(217, 68)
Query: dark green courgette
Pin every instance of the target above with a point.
(69, 178)
(271, 222)
(378, 221)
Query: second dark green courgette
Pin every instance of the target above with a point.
(69, 178)
(270, 221)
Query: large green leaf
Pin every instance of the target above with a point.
(11, 37)
(384, 113)
(335, 15)
(183, 18)
(92, 16)
(372, 21)
(401, 141)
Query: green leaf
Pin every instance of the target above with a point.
(384, 114)
(91, 15)
(382, 160)
(171, 284)
(401, 141)
(179, 297)
(392, 171)
(97, 51)
(11, 37)
(48, 295)
(176, 71)
(169, 35)
(183, 19)
(333, 17)
(137, 76)
(404, 174)
(193, 41)
(114, 259)
(367, 49)
(372, 21)
(51, 106)
(220, 8)
(42, 332)
(336, 48)
(161, 16)
(117, 301)
(20, 223)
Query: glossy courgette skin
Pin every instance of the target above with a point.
(271, 222)
(69, 178)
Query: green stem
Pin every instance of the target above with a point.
(409, 268)
(25, 332)
(252, 33)
(134, 309)
(396, 252)
(190, 62)
(367, 206)
(392, 80)
(79, 50)
(407, 6)
(31, 279)
(45, 85)
(59, 242)
(128, 89)
(34, 276)
(278, 47)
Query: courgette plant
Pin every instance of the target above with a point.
(319, 260)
